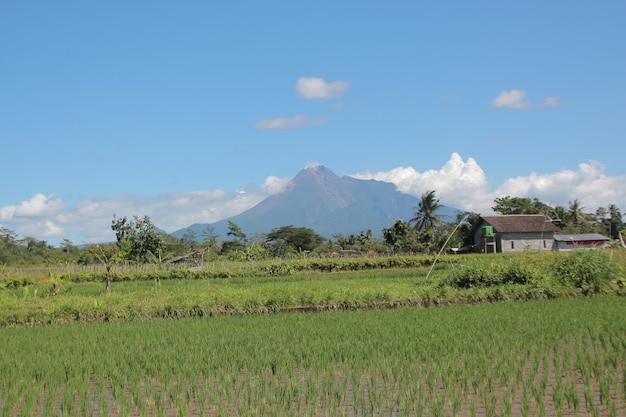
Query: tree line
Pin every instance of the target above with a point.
(138, 242)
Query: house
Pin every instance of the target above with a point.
(514, 233)
(581, 241)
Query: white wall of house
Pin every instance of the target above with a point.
(516, 242)
(520, 242)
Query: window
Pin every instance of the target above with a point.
(512, 245)
(544, 244)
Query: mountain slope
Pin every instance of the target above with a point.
(318, 199)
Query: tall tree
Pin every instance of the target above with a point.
(209, 238)
(559, 216)
(517, 205)
(467, 219)
(425, 217)
(401, 237)
(235, 231)
(67, 246)
(238, 241)
(108, 255)
(190, 239)
(9, 245)
(602, 223)
(287, 239)
(615, 219)
(138, 238)
(577, 221)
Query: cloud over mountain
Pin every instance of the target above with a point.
(459, 183)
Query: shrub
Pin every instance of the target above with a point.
(589, 270)
(497, 272)
(277, 270)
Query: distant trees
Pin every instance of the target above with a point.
(519, 205)
(576, 219)
(609, 221)
(9, 245)
(286, 239)
(426, 217)
(16, 250)
(190, 239)
(68, 246)
(108, 256)
(138, 239)
(238, 241)
(616, 223)
(401, 237)
(363, 241)
(209, 239)
(463, 236)
(573, 219)
(426, 220)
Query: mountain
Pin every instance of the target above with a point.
(318, 199)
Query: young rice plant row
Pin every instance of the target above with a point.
(563, 357)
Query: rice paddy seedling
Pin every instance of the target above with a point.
(453, 360)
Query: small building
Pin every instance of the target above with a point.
(514, 233)
(193, 259)
(580, 241)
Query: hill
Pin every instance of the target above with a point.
(318, 199)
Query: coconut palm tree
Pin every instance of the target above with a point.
(425, 217)
(559, 215)
(575, 216)
(616, 223)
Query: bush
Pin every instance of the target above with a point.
(501, 271)
(277, 270)
(589, 270)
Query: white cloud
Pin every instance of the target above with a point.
(513, 99)
(89, 221)
(458, 183)
(43, 229)
(589, 184)
(551, 102)
(312, 87)
(463, 184)
(285, 123)
(274, 185)
(37, 206)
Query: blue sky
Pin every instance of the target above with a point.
(193, 111)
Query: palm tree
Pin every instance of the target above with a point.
(616, 224)
(559, 216)
(575, 215)
(425, 217)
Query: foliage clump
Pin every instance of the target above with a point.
(590, 271)
(487, 273)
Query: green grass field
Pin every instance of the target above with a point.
(47, 297)
(547, 357)
(524, 335)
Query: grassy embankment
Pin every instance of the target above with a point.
(46, 296)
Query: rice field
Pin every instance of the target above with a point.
(562, 357)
